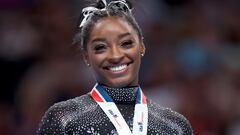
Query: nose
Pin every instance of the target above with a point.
(116, 55)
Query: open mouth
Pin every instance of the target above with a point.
(117, 68)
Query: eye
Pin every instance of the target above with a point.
(127, 44)
(100, 48)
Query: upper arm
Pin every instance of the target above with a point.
(182, 123)
(52, 122)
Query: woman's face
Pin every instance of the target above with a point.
(114, 52)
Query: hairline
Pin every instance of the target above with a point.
(135, 27)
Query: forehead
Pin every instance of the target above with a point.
(112, 24)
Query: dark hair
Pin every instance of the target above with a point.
(116, 9)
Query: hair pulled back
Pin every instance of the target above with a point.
(119, 8)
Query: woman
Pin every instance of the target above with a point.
(112, 45)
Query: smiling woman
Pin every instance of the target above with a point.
(112, 46)
(114, 52)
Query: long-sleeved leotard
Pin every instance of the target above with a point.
(83, 116)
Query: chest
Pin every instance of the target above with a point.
(97, 123)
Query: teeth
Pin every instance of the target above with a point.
(118, 68)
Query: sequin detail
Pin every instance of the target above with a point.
(83, 116)
(123, 95)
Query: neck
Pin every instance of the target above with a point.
(122, 95)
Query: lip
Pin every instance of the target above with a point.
(118, 69)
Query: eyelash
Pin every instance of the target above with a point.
(127, 44)
(100, 48)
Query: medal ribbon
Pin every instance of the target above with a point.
(140, 119)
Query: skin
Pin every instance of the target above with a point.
(114, 42)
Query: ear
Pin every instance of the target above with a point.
(85, 57)
(142, 48)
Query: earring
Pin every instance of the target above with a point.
(142, 54)
(87, 63)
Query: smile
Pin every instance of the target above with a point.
(118, 68)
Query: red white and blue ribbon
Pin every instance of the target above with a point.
(140, 119)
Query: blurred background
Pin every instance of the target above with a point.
(191, 64)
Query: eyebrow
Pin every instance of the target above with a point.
(103, 39)
(124, 35)
(98, 40)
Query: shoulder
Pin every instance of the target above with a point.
(57, 116)
(170, 118)
(67, 107)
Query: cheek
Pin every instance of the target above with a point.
(135, 54)
(96, 61)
